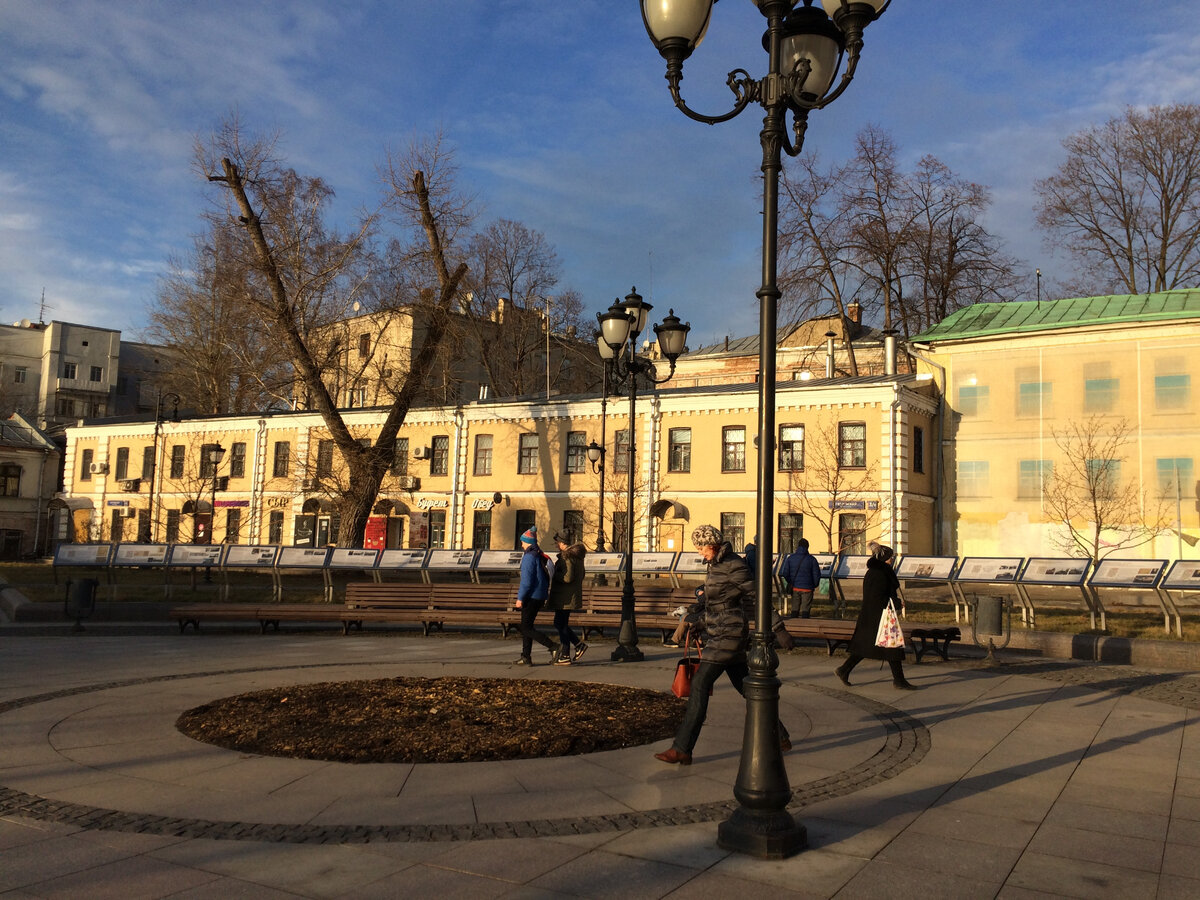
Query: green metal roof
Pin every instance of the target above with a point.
(1022, 316)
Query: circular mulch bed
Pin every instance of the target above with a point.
(426, 720)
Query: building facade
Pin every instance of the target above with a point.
(29, 464)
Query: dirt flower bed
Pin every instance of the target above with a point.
(423, 720)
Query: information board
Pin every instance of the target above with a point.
(450, 559)
(245, 556)
(926, 568)
(402, 559)
(82, 554)
(826, 562)
(1055, 571)
(503, 560)
(653, 562)
(1131, 573)
(598, 563)
(1184, 575)
(195, 554)
(303, 557)
(989, 569)
(691, 564)
(851, 567)
(352, 558)
(140, 555)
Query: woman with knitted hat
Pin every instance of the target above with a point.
(531, 595)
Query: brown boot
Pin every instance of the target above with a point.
(675, 756)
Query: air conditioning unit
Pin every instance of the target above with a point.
(310, 484)
(422, 453)
(409, 482)
(131, 485)
(223, 483)
(98, 468)
(130, 512)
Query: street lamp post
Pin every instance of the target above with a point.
(158, 421)
(619, 329)
(595, 452)
(805, 46)
(215, 454)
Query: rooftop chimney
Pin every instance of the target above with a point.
(854, 313)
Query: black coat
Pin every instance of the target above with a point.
(879, 584)
(566, 587)
(721, 610)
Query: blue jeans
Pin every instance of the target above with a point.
(562, 622)
(697, 708)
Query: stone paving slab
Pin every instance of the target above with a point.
(1016, 779)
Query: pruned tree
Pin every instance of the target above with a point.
(1125, 203)
(1101, 508)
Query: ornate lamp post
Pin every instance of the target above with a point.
(216, 453)
(805, 46)
(619, 329)
(595, 452)
(158, 421)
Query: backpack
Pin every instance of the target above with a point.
(548, 565)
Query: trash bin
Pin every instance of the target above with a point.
(989, 615)
(81, 598)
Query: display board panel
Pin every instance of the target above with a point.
(450, 559)
(140, 555)
(503, 560)
(303, 557)
(251, 556)
(604, 563)
(1184, 575)
(82, 554)
(926, 568)
(661, 561)
(826, 561)
(989, 569)
(851, 567)
(353, 558)
(1055, 571)
(402, 559)
(195, 555)
(1130, 573)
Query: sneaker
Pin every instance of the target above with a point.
(580, 649)
(563, 661)
(523, 661)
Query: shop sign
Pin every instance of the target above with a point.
(433, 503)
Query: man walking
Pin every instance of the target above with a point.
(801, 573)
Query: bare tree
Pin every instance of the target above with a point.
(1125, 203)
(310, 276)
(1102, 509)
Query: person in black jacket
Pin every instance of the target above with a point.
(721, 611)
(879, 585)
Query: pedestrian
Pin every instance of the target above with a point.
(750, 555)
(880, 584)
(720, 612)
(531, 596)
(801, 573)
(566, 595)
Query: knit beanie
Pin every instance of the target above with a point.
(530, 536)
(706, 536)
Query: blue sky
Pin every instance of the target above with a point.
(559, 115)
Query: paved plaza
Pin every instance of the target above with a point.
(1027, 778)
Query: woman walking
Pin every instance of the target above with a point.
(566, 595)
(880, 584)
(719, 610)
(531, 595)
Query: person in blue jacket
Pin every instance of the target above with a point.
(801, 573)
(531, 596)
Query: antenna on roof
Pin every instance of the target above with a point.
(1039, 287)
(42, 309)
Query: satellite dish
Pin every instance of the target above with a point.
(357, 306)
(25, 323)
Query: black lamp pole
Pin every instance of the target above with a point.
(619, 329)
(805, 46)
(158, 421)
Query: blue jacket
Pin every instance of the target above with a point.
(535, 580)
(801, 571)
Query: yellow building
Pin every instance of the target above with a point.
(1036, 391)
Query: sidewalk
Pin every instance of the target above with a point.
(1018, 780)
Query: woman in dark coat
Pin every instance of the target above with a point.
(720, 609)
(879, 585)
(566, 595)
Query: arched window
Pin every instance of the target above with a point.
(10, 480)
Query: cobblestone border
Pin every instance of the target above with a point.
(906, 742)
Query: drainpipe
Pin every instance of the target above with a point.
(897, 468)
(889, 352)
(939, 518)
(456, 494)
(829, 366)
(37, 525)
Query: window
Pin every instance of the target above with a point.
(526, 519)
(481, 530)
(177, 457)
(275, 527)
(207, 469)
(573, 524)
(64, 406)
(973, 399)
(20, 375)
(621, 460)
(364, 345)
(96, 374)
(852, 445)
(85, 464)
(324, 458)
(10, 480)
(400, 457)
(282, 461)
(1032, 475)
(852, 533)
(527, 457)
(619, 536)
(1174, 475)
(918, 450)
(483, 454)
(1100, 394)
(96, 408)
(1033, 398)
(122, 471)
(973, 478)
(576, 451)
(237, 460)
(1103, 475)
(1171, 392)
(148, 461)
(233, 526)
(70, 371)
(733, 448)
(791, 529)
(791, 448)
(439, 461)
(733, 529)
(679, 450)
(173, 526)
(143, 526)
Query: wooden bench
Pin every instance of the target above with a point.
(267, 615)
(652, 608)
(432, 606)
(838, 632)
